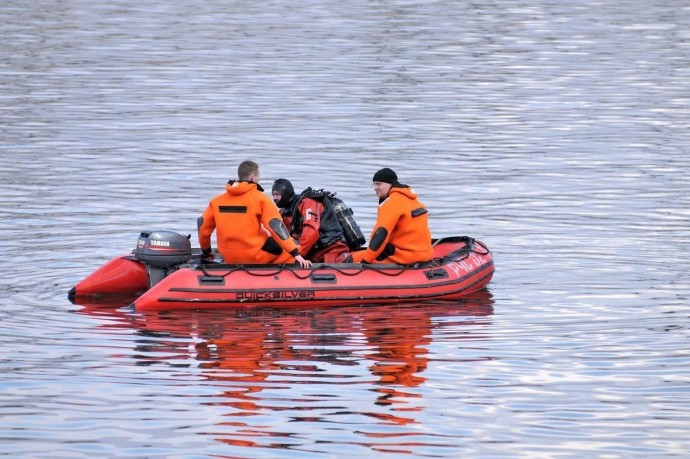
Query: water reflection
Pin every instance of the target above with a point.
(278, 361)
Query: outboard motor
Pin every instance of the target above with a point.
(161, 251)
(351, 231)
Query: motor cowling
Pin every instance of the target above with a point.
(163, 249)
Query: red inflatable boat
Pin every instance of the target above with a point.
(163, 272)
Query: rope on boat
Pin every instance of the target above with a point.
(242, 268)
(455, 256)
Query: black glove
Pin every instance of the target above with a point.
(207, 255)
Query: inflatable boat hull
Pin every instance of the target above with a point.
(462, 266)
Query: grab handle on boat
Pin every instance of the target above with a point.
(213, 280)
(437, 273)
(326, 278)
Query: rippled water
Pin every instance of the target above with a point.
(555, 132)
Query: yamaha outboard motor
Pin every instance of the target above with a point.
(351, 231)
(161, 251)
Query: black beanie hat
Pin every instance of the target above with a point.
(385, 175)
(285, 189)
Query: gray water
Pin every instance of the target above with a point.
(555, 132)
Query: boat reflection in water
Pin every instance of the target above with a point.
(243, 352)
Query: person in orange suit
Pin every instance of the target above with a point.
(312, 223)
(401, 234)
(248, 224)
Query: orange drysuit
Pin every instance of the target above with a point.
(243, 217)
(401, 233)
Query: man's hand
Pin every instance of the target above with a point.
(305, 264)
(207, 255)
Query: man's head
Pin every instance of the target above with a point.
(383, 180)
(248, 171)
(282, 192)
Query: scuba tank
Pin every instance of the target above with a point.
(354, 238)
(353, 234)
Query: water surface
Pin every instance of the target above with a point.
(557, 133)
